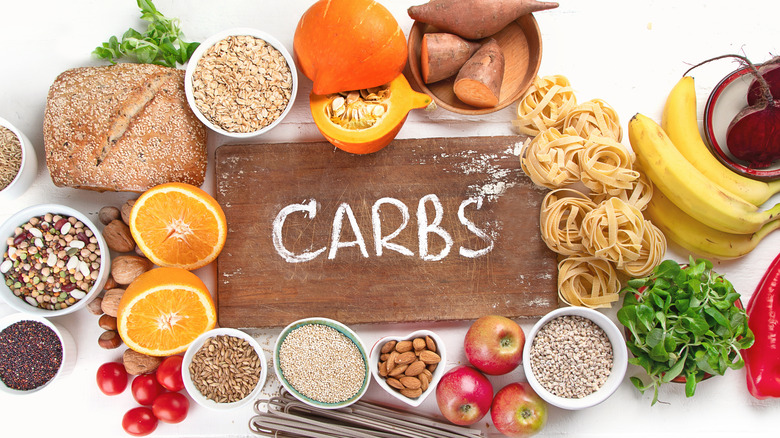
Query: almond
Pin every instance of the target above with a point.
(388, 347)
(429, 357)
(424, 381)
(397, 370)
(432, 367)
(418, 344)
(390, 362)
(127, 268)
(415, 368)
(395, 383)
(411, 393)
(430, 343)
(427, 374)
(118, 236)
(406, 358)
(383, 369)
(383, 357)
(403, 346)
(110, 303)
(410, 382)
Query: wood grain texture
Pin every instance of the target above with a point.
(257, 287)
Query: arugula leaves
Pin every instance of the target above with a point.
(683, 322)
(161, 44)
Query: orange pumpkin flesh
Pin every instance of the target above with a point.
(357, 136)
(344, 45)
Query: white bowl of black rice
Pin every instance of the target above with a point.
(34, 352)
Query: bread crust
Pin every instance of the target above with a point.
(125, 127)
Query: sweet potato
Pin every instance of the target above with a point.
(479, 80)
(443, 54)
(475, 19)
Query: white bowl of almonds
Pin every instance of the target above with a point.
(575, 357)
(241, 82)
(409, 367)
(224, 369)
(18, 162)
(54, 260)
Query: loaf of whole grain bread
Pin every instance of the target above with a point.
(125, 127)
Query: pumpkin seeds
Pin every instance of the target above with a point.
(358, 109)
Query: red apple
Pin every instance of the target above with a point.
(517, 411)
(463, 395)
(494, 344)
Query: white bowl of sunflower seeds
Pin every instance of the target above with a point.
(241, 82)
(224, 369)
(575, 357)
(18, 162)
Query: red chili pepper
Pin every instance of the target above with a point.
(762, 360)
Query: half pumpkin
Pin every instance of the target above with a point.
(365, 121)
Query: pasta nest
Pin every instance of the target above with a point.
(613, 231)
(561, 218)
(545, 105)
(594, 117)
(606, 166)
(552, 158)
(587, 281)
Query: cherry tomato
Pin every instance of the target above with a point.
(145, 389)
(112, 378)
(171, 407)
(169, 374)
(139, 421)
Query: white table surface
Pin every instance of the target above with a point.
(627, 53)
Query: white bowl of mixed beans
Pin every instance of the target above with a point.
(54, 260)
(575, 357)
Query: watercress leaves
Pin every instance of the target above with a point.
(683, 321)
(161, 44)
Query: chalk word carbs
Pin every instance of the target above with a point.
(382, 243)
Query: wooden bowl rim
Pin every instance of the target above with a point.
(527, 24)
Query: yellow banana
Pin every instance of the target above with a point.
(703, 199)
(680, 124)
(698, 238)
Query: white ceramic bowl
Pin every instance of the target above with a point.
(211, 41)
(28, 168)
(437, 373)
(196, 394)
(21, 217)
(619, 359)
(343, 329)
(69, 352)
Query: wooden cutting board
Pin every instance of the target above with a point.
(423, 230)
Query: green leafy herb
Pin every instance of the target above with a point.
(683, 322)
(161, 44)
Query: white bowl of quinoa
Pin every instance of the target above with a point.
(53, 260)
(18, 162)
(224, 369)
(34, 352)
(575, 357)
(322, 363)
(241, 82)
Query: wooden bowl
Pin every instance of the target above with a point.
(521, 43)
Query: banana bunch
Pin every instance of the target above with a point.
(702, 205)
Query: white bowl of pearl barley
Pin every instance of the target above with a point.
(322, 363)
(557, 347)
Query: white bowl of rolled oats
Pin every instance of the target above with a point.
(241, 82)
(18, 162)
(322, 363)
(575, 357)
(54, 260)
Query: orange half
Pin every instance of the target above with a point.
(164, 310)
(178, 225)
